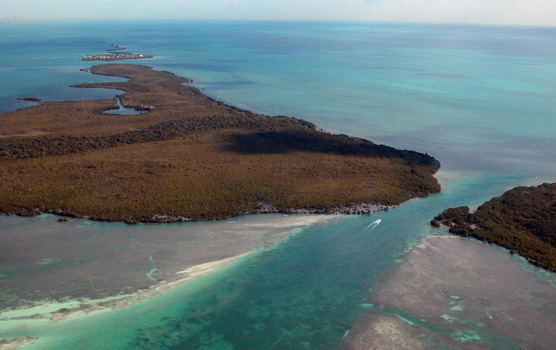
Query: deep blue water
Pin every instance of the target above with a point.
(481, 99)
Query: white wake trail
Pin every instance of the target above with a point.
(373, 225)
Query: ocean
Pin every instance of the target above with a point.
(481, 99)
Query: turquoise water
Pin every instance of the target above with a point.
(480, 99)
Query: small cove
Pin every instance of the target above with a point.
(122, 110)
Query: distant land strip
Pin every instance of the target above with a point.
(115, 57)
(115, 53)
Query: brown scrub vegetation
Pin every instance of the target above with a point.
(522, 220)
(189, 158)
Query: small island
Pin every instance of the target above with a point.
(114, 57)
(30, 99)
(115, 53)
(190, 157)
(522, 220)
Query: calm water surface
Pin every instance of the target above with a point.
(480, 99)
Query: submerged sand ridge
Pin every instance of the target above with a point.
(454, 293)
(47, 261)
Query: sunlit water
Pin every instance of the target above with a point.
(480, 99)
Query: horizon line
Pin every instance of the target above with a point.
(12, 20)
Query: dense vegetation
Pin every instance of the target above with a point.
(522, 220)
(189, 158)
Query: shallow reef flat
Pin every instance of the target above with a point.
(457, 293)
(48, 261)
(190, 158)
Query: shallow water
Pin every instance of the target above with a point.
(480, 99)
(454, 292)
(44, 259)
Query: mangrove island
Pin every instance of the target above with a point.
(522, 220)
(190, 157)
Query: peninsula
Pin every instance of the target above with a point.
(190, 157)
(522, 220)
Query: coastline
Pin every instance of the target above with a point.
(355, 209)
(398, 103)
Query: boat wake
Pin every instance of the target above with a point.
(372, 225)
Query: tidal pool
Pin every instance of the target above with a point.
(122, 110)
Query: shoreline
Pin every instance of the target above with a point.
(356, 209)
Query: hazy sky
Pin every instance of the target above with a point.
(531, 12)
